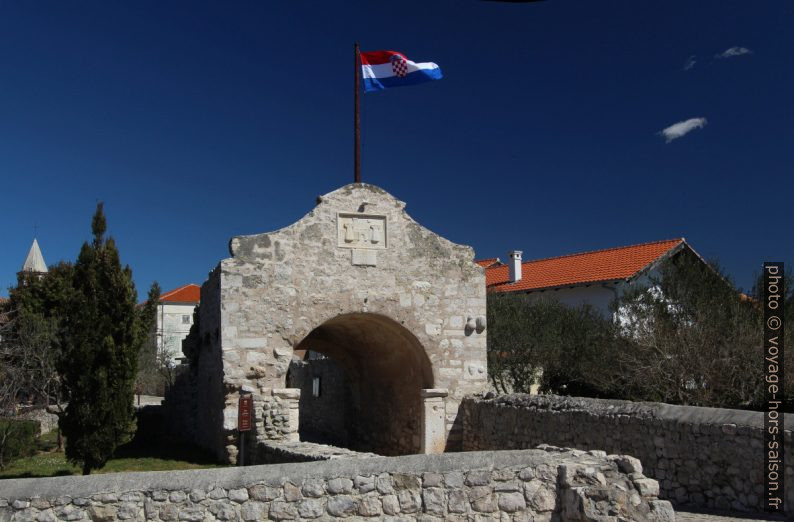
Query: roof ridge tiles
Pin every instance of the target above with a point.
(677, 240)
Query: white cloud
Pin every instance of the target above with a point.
(733, 52)
(690, 62)
(682, 128)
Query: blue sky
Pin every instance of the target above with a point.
(195, 122)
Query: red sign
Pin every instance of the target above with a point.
(244, 413)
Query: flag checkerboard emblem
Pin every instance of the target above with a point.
(399, 66)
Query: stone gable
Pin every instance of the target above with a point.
(400, 308)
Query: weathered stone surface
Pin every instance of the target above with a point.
(364, 484)
(340, 485)
(478, 478)
(410, 501)
(590, 487)
(226, 511)
(457, 501)
(391, 504)
(217, 493)
(358, 261)
(292, 492)
(539, 495)
(405, 481)
(370, 507)
(482, 499)
(263, 493)
(177, 497)
(432, 480)
(662, 511)
(238, 495)
(191, 514)
(702, 457)
(313, 488)
(105, 498)
(102, 513)
(628, 464)
(511, 502)
(253, 510)
(434, 501)
(169, 512)
(283, 510)
(384, 484)
(127, 510)
(341, 506)
(311, 507)
(647, 487)
(131, 496)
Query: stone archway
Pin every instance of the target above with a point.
(377, 404)
(400, 308)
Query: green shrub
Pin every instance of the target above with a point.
(687, 337)
(17, 439)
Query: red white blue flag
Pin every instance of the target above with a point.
(384, 69)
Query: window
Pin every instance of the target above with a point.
(185, 319)
(316, 387)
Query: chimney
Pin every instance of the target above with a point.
(515, 265)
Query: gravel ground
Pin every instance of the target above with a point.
(148, 400)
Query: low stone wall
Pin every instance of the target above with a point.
(538, 485)
(704, 457)
(279, 452)
(47, 420)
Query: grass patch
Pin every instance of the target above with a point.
(148, 451)
(54, 464)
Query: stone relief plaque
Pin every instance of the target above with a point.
(361, 231)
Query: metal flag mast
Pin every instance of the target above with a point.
(357, 118)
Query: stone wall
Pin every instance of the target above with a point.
(539, 485)
(327, 418)
(196, 402)
(400, 308)
(705, 457)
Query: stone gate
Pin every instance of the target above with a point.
(399, 309)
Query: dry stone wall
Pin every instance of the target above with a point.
(704, 457)
(533, 485)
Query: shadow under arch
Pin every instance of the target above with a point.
(386, 368)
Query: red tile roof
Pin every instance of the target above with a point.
(189, 293)
(487, 263)
(576, 269)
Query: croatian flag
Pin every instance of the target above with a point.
(383, 69)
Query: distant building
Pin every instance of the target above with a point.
(595, 278)
(34, 264)
(174, 319)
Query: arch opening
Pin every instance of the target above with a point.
(364, 392)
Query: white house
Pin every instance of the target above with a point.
(174, 318)
(595, 278)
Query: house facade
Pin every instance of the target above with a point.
(594, 278)
(174, 319)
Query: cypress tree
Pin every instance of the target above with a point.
(100, 343)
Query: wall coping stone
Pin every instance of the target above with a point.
(650, 410)
(235, 477)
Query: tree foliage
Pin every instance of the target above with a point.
(100, 344)
(149, 378)
(686, 337)
(31, 344)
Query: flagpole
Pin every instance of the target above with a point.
(357, 118)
